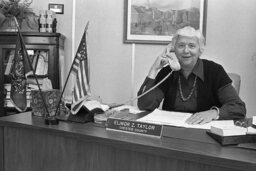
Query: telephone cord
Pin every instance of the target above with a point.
(152, 88)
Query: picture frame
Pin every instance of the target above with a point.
(155, 22)
(57, 8)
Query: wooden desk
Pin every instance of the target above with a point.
(28, 144)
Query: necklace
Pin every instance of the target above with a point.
(191, 92)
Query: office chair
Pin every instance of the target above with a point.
(236, 81)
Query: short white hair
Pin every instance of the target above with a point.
(189, 31)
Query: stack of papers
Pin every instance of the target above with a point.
(166, 118)
(132, 109)
(178, 119)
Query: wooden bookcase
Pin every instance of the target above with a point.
(52, 43)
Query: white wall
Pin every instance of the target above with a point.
(110, 59)
(230, 36)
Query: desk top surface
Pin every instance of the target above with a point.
(190, 144)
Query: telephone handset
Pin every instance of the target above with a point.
(174, 63)
(172, 59)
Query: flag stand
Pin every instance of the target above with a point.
(49, 120)
(70, 70)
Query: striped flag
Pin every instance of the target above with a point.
(80, 69)
(18, 80)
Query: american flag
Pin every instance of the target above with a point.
(80, 69)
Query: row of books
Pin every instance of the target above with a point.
(7, 100)
(39, 59)
(31, 85)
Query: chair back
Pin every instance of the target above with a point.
(236, 81)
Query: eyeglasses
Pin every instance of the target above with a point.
(241, 123)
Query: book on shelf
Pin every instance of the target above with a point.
(7, 96)
(34, 86)
(44, 83)
(34, 59)
(7, 86)
(39, 61)
(9, 63)
(42, 63)
(10, 59)
(8, 103)
(38, 58)
(32, 80)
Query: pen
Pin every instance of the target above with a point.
(114, 106)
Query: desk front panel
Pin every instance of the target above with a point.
(31, 150)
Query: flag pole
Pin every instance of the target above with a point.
(85, 30)
(33, 71)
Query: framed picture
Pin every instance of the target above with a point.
(57, 8)
(155, 21)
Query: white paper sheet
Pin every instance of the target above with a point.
(132, 109)
(178, 119)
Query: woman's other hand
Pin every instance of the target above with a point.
(202, 117)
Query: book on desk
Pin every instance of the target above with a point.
(237, 134)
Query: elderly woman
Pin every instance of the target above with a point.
(200, 86)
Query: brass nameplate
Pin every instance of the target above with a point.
(134, 127)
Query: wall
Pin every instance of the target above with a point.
(110, 59)
(231, 41)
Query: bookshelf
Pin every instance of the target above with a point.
(45, 47)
